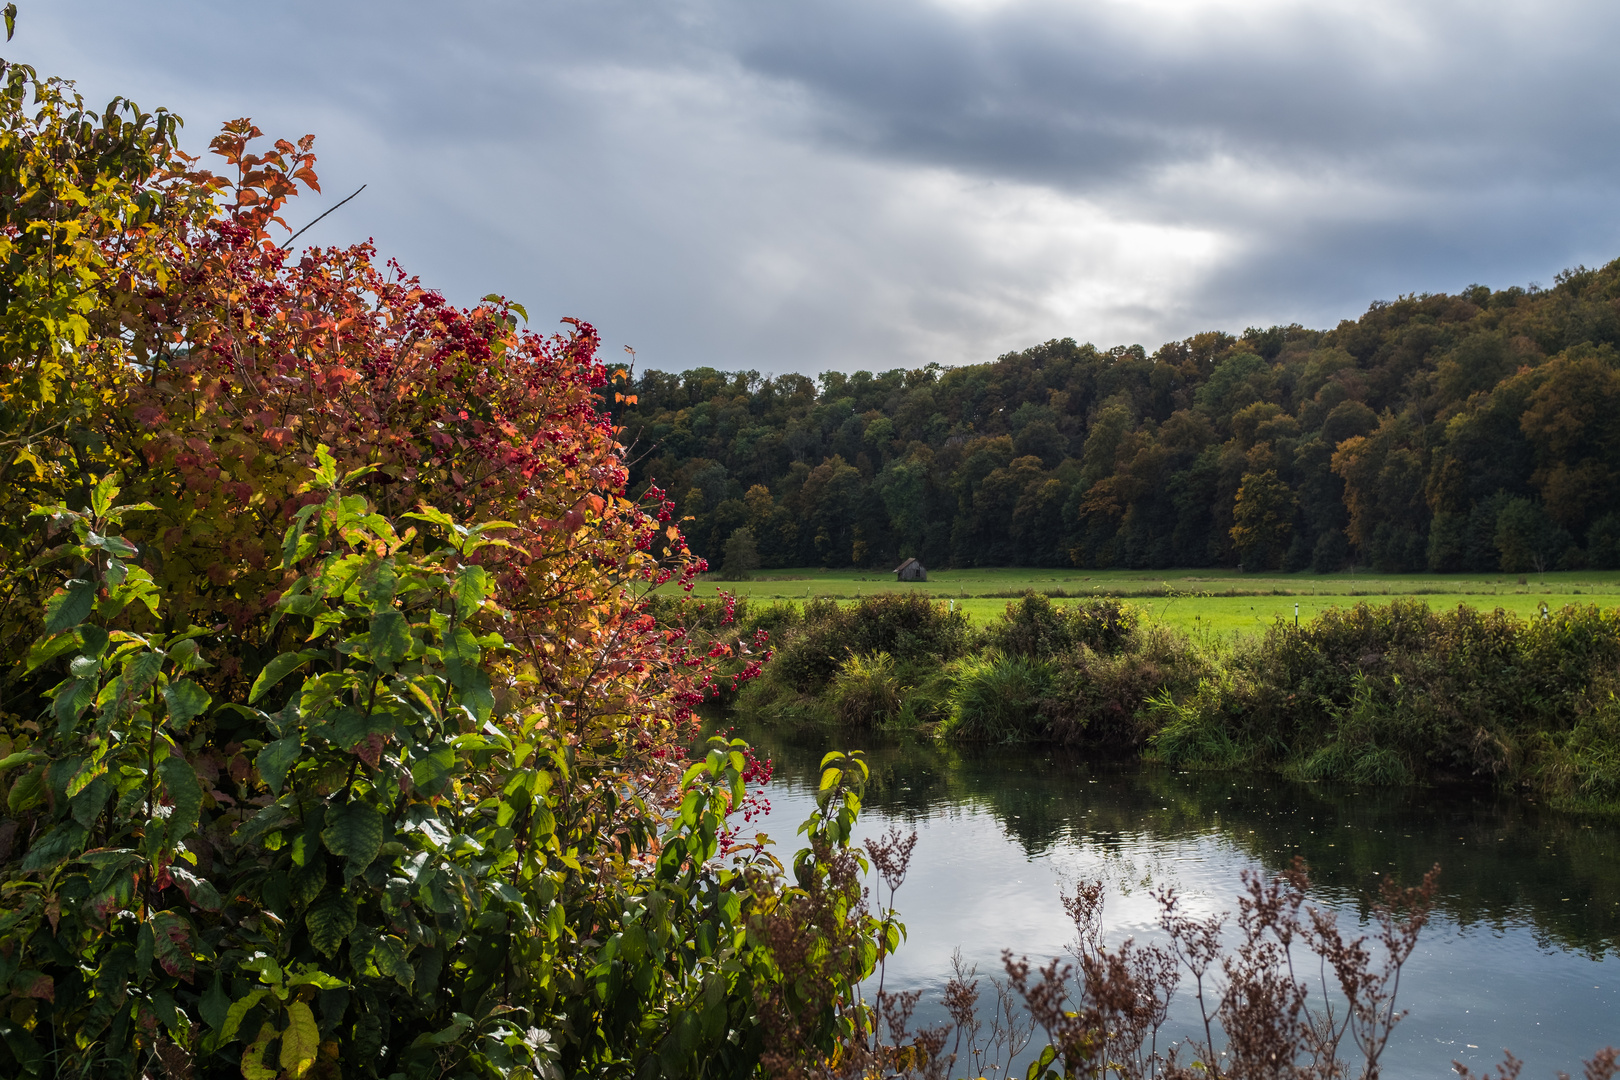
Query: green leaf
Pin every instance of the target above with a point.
(57, 846)
(379, 585)
(300, 1041)
(351, 726)
(297, 544)
(271, 817)
(390, 637)
(28, 791)
(71, 700)
(431, 772)
(69, 607)
(22, 757)
(310, 975)
(186, 701)
(133, 682)
(215, 1005)
(29, 1054)
(48, 649)
(330, 919)
(95, 639)
(180, 781)
(89, 803)
(304, 883)
(472, 585)
(325, 467)
(434, 516)
(253, 1065)
(103, 494)
(275, 759)
(145, 948)
(355, 831)
(460, 1022)
(278, 669)
(92, 768)
(235, 1014)
(387, 957)
(199, 891)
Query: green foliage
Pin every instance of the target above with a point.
(909, 628)
(1035, 627)
(1101, 698)
(1397, 693)
(371, 861)
(997, 699)
(867, 690)
(742, 557)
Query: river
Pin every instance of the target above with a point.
(1521, 953)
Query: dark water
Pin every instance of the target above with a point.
(1521, 953)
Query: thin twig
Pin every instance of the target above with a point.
(317, 221)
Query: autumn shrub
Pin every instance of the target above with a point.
(348, 742)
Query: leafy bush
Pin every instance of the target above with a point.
(370, 860)
(1034, 627)
(997, 698)
(912, 629)
(1100, 699)
(1399, 693)
(867, 690)
(347, 744)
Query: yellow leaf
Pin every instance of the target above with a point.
(253, 1066)
(300, 1042)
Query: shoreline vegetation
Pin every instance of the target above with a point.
(1386, 693)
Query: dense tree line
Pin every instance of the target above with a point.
(1479, 431)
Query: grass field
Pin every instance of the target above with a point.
(1219, 602)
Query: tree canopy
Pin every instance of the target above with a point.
(1396, 440)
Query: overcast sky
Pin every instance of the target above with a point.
(798, 186)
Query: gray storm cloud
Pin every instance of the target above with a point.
(864, 184)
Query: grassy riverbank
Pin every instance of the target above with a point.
(1374, 692)
(1219, 602)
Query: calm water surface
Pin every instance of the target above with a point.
(1521, 953)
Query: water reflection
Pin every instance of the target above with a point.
(1507, 863)
(1521, 955)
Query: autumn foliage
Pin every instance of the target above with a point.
(337, 734)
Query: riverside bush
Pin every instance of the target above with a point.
(1398, 693)
(867, 690)
(813, 648)
(1034, 627)
(997, 699)
(1100, 698)
(1078, 673)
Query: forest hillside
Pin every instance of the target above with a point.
(1479, 431)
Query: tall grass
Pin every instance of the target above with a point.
(997, 698)
(867, 690)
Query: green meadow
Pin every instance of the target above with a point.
(1221, 602)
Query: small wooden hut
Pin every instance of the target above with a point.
(911, 570)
